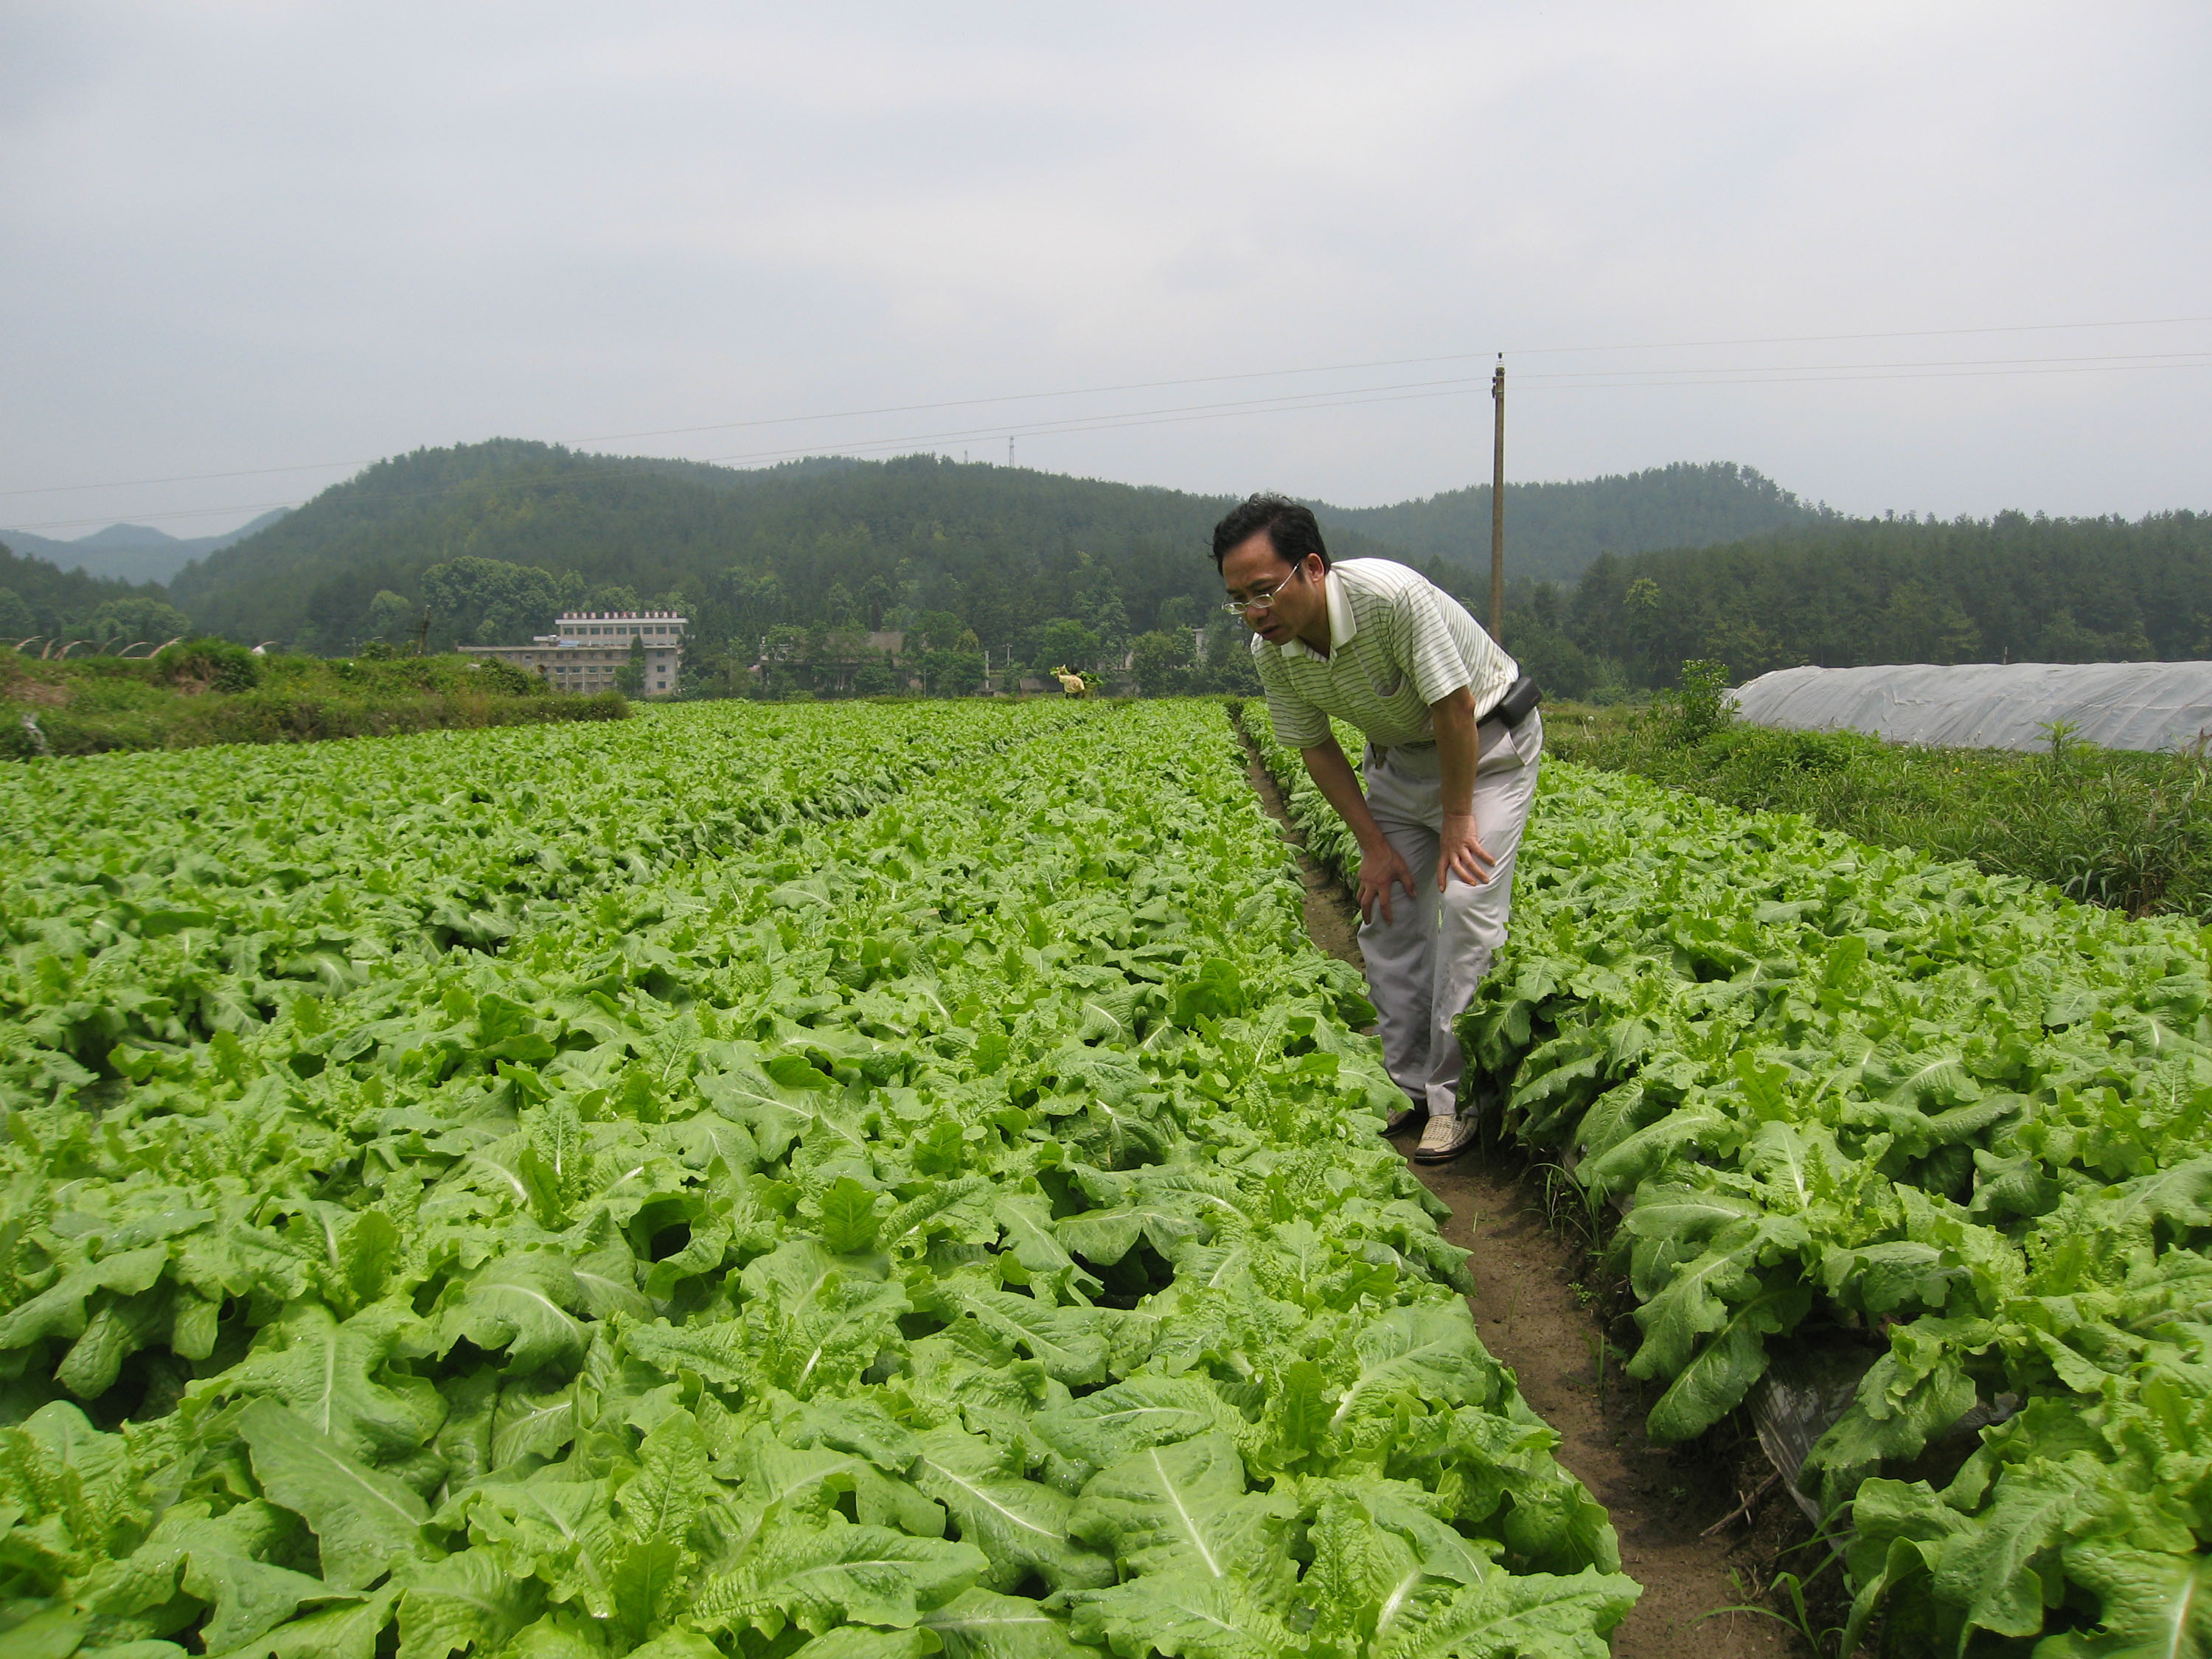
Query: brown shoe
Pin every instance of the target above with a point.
(1405, 1118)
(1445, 1139)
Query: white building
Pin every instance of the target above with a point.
(586, 646)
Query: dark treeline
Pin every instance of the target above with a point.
(50, 607)
(789, 566)
(1878, 591)
(1554, 532)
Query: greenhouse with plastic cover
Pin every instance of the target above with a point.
(2114, 705)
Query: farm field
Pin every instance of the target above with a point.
(1946, 1131)
(834, 1181)
(160, 900)
(2127, 830)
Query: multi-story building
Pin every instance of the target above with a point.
(586, 646)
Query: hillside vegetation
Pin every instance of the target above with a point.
(37, 599)
(839, 543)
(207, 691)
(2010, 588)
(834, 543)
(790, 567)
(1554, 532)
(132, 552)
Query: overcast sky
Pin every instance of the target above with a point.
(253, 236)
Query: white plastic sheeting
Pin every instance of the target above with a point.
(2114, 705)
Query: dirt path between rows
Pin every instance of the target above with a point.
(1535, 1316)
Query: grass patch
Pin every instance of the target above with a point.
(2117, 828)
(209, 691)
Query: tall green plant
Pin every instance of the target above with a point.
(629, 678)
(1699, 705)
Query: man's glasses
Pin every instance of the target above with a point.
(1263, 600)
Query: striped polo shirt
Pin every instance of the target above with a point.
(1397, 644)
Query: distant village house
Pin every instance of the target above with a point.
(586, 646)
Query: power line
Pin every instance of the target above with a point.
(1157, 386)
(1900, 334)
(1811, 379)
(1292, 403)
(1452, 389)
(1380, 362)
(2143, 359)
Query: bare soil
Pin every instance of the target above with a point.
(1543, 1312)
(42, 694)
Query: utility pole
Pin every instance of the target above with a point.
(1497, 504)
(1010, 449)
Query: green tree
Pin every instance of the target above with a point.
(1228, 660)
(491, 602)
(125, 622)
(878, 594)
(784, 665)
(875, 677)
(54, 596)
(15, 617)
(1162, 662)
(941, 630)
(1065, 643)
(1742, 646)
(1644, 626)
(1547, 655)
(391, 615)
(629, 678)
(952, 673)
(613, 596)
(754, 602)
(1102, 612)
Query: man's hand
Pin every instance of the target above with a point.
(1459, 853)
(1380, 868)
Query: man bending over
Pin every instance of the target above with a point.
(1453, 741)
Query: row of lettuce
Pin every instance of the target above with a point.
(953, 1226)
(1853, 1100)
(178, 896)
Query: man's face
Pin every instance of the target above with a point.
(1251, 569)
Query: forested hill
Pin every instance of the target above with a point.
(1553, 532)
(833, 542)
(130, 552)
(37, 599)
(1004, 548)
(1882, 591)
(491, 538)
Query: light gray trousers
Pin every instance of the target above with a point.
(1423, 964)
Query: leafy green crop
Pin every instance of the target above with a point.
(1327, 836)
(1951, 1118)
(304, 870)
(950, 1219)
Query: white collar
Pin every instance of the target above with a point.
(1342, 624)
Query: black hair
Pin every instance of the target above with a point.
(1292, 530)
